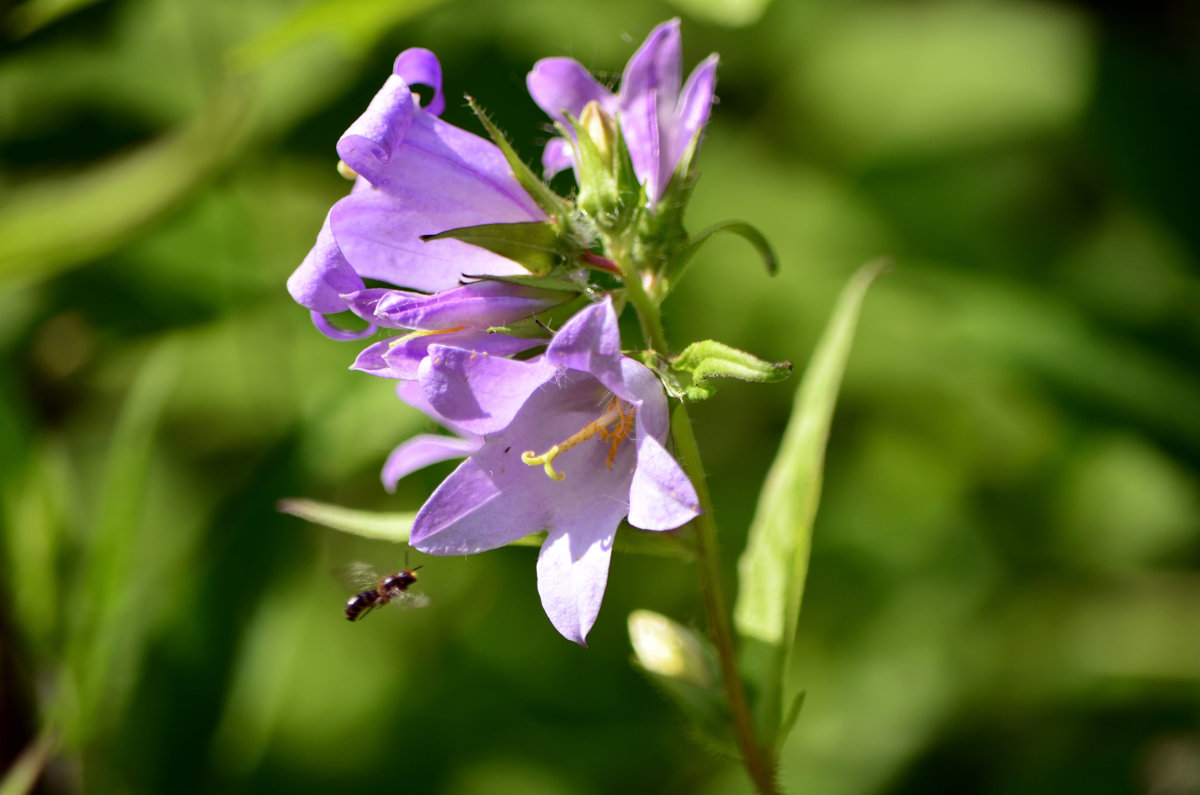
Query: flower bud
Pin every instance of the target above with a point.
(668, 649)
(600, 128)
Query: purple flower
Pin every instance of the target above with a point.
(418, 176)
(460, 317)
(658, 120)
(569, 443)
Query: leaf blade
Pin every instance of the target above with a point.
(773, 568)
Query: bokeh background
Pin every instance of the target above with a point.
(1004, 595)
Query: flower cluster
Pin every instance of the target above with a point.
(500, 318)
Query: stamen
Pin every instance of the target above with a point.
(346, 171)
(615, 411)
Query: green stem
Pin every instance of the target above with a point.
(757, 760)
(643, 304)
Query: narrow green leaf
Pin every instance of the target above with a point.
(740, 228)
(392, 527)
(711, 359)
(356, 27)
(104, 641)
(395, 527)
(33, 15)
(774, 566)
(25, 771)
(532, 244)
(57, 222)
(553, 204)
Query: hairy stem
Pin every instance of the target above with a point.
(757, 760)
(643, 304)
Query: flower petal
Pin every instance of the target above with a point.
(590, 341)
(418, 66)
(641, 126)
(334, 333)
(572, 571)
(423, 450)
(374, 137)
(657, 66)
(478, 392)
(561, 85)
(481, 304)
(556, 157)
(324, 275)
(404, 356)
(695, 105)
(440, 178)
(661, 497)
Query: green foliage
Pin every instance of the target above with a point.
(774, 568)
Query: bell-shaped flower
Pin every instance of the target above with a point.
(658, 119)
(568, 443)
(463, 317)
(417, 176)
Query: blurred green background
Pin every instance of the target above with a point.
(1004, 595)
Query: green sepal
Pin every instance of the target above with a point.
(598, 194)
(564, 280)
(711, 359)
(534, 245)
(679, 265)
(554, 205)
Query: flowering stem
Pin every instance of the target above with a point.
(643, 304)
(758, 762)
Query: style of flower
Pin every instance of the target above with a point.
(659, 121)
(568, 443)
(416, 175)
(462, 317)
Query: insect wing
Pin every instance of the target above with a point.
(357, 576)
(410, 600)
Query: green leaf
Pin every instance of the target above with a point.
(711, 359)
(554, 205)
(27, 768)
(774, 566)
(532, 244)
(395, 527)
(57, 222)
(392, 527)
(33, 15)
(742, 229)
(731, 13)
(106, 636)
(356, 27)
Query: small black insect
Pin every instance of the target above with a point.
(389, 589)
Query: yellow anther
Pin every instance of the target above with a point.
(346, 171)
(614, 412)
